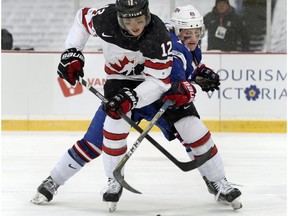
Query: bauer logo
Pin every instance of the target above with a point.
(69, 90)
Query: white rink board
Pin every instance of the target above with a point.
(240, 74)
(36, 93)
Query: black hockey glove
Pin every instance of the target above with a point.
(181, 92)
(206, 78)
(71, 65)
(124, 101)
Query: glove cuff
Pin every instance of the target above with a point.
(73, 53)
(199, 69)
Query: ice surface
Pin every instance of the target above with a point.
(256, 161)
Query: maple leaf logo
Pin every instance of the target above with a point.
(118, 66)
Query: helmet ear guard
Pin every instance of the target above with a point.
(187, 17)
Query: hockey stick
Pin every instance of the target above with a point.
(117, 170)
(184, 166)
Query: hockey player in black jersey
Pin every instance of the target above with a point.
(138, 59)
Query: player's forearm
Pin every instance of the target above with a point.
(149, 91)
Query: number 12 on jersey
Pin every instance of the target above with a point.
(166, 49)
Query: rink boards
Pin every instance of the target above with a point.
(252, 97)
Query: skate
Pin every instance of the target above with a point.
(224, 192)
(112, 194)
(45, 191)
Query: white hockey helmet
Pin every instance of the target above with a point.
(186, 17)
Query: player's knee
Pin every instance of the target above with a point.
(191, 129)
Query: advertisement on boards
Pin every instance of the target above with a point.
(253, 86)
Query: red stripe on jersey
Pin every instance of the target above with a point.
(167, 80)
(109, 71)
(114, 152)
(214, 152)
(84, 13)
(112, 136)
(158, 66)
(199, 142)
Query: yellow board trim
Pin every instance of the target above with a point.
(82, 125)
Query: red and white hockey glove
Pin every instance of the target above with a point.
(182, 92)
(206, 78)
(124, 101)
(71, 65)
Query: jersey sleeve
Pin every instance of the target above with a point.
(158, 62)
(157, 68)
(179, 67)
(182, 60)
(156, 46)
(150, 90)
(81, 29)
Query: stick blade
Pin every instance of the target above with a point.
(123, 183)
